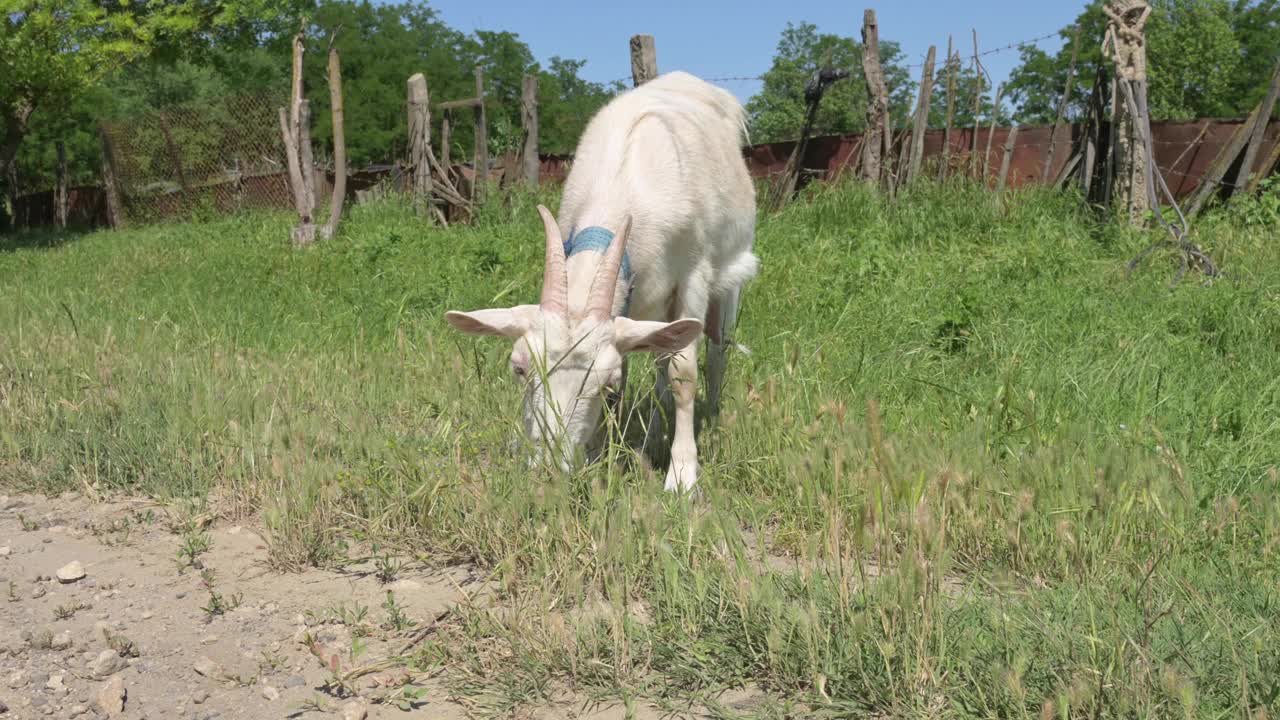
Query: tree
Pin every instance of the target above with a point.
(52, 52)
(1206, 58)
(777, 111)
(566, 104)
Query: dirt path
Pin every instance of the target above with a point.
(133, 637)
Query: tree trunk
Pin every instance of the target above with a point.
(339, 193)
(60, 187)
(1125, 45)
(482, 140)
(110, 181)
(875, 137)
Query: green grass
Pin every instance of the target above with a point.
(967, 470)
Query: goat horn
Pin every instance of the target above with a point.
(555, 283)
(605, 284)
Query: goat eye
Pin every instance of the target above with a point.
(520, 371)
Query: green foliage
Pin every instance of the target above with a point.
(777, 112)
(1206, 58)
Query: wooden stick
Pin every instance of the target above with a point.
(60, 186)
(339, 194)
(303, 134)
(995, 117)
(1259, 130)
(420, 136)
(977, 104)
(460, 104)
(482, 139)
(529, 115)
(644, 59)
(951, 106)
(1271, 164)
(876, 137)
(922, 115)
(295, 165)
(445, 143)
(1062, 104)
(1008, 155)
(295, 92)
(110, 180)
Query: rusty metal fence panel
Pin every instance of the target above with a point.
(211, 158)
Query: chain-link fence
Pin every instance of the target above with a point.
(206, 159)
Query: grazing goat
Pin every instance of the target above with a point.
(659, 196)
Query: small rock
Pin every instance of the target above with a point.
(147, 615)
(3, 708)
(357, 709)
(39, 701)
(61, 641)
(111, 697)
(294, 681)
(71, 572)
(200, 697)
(18, 680)
(270, 693)
(55, 684)
(180, 595)
(77, 710)
(107, 663)
(38, 592)
(206, 667)
(5, 551)
(208, 639)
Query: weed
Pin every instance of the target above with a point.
(69, 610)
(217, 604)
(397, 621)
(27, 524)
(194, 544)
(387, 569)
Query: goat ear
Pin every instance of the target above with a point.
(503, 322)
(647, 336)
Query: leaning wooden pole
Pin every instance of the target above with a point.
(1243, 176)
(110, 180)
(876, 138)
(339, 194)
(922, 116)
(1062, 106)
(1009, 145)
(977, 105)
(991, 133)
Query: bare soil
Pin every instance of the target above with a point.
(136, 619)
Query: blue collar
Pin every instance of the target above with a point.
(597, 239)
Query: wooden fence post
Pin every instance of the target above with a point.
(951, 107)
(482, 139)
(1217, 170)
(529, 116)
(60, 187)
(338, 194)
(1243, 181)
(420, 137)
(922, 115)
(1062, 105)
(1008, 156)
(644, 59)
(1093, 131)
(977, 105)
(110, 181)
(876, 135)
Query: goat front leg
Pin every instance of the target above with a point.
(683, 369)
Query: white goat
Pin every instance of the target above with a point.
(662, 166)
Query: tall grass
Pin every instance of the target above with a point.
(967, 470)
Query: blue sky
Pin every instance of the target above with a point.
(723, 38)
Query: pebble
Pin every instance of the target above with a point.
(55, 684)
(206, 667)
(71, 572)
(18, 680)
(111, 697)
(77, 710)
(270, 693)
(5, 551)
(208, 639)
(147, 615)
(357, 709)
(295, 681)
(107, 663)
(61, 641)
(38, 592)
(200, 697)
(3, 708)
